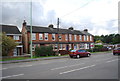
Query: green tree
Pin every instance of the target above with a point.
(8, 44)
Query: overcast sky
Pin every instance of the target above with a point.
(98, 16)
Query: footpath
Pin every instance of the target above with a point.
(35, 59)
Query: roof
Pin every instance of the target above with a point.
(10, 29)
(39, 29)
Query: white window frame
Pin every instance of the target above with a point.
(60, 37)
(40, 36)
(85, 38)
(53, 37)
(75, 37)
(80, 37)
(16, 37)
(46, 36)
(70, 37)
(33, 36)
(61, 47)
(66, 37)
(90, 38)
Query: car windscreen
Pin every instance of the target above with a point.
(81, 51)
(73, 51)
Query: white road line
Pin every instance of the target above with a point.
(11, 76)
(76, 69)
(3, 68)
(67, 66)
(111, 60)
(25, 66)
(104, 59)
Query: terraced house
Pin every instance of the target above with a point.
(62, 39)
(14, 33)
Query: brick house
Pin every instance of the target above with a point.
(14, 33)
(67, 39)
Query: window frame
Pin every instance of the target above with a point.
(40, 36)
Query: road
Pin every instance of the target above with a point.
(97, 66)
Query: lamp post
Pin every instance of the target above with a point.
(31, 29)
(58, 36)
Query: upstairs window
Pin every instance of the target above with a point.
(70, 37)
(16, 37)
(90, 38)
(60, 37)
(40, 36)
(53, 36)
(46, 36)
(33, 36)
(85, 38)
(75, 37)
(80, 37)
(66, 37)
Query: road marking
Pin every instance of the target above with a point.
(67, 66)
(26, 66)
(111, 60)
(77, 69)
(11, 76)
(3, 68)
(104, 59)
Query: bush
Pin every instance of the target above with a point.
(44, 51)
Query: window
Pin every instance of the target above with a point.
(66, 37)
(16, 37)
(46, 36)
(53, 36)
(75, 37)
(61, 46)
(56, 46)
(80, 37)
(81, 46)
(70, 37)
(85, 38)
(60, 37)
(33, 36)
(90, 38)
(33, 47)
(40, 36)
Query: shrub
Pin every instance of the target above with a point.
(44, 51)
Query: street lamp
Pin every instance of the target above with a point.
(31, 29)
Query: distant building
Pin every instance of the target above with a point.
(45, 36)
(14, 33)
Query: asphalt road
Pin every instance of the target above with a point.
(97, 66)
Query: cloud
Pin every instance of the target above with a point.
(98, 16)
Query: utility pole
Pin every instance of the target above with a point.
(31, 29)
(58, 36)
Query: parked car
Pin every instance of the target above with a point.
(116, 51)
(78, 53)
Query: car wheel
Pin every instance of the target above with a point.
(71, 56)
(78, 56)
(88, 55)
(113, 53)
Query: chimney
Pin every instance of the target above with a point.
(24, 23)
(85, 30)
(71, 28)
(51, 26)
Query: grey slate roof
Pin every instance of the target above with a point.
(9, 29)
(38, 29)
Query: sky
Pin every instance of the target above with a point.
(100, 17)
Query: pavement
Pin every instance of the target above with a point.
(35, 59)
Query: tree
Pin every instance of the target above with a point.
(8, 44)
